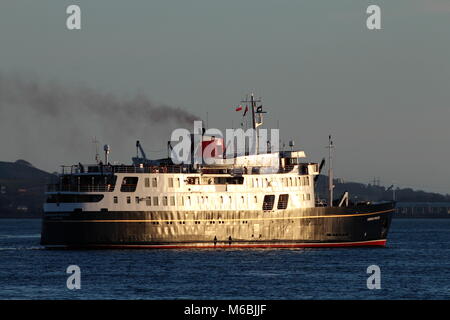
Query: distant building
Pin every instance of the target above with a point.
(422, 210)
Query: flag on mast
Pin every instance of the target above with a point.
(239, 108)
(245, 112)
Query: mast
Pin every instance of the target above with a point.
(254, 126)
(97, 156)
(330, 172)
(252, 102)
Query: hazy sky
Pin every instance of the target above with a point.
(383, 95)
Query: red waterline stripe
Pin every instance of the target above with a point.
(379, 243)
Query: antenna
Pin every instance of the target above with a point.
(330, 171)
(279, 137)
(97, 156)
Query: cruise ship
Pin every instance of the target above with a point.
(255, 198)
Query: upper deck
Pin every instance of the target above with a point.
(101, 178)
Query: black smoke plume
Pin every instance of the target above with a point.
(50, 123)
(51, 99)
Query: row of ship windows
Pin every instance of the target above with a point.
(154, 182)
(268, 200)
(255, 182)
(285, 182)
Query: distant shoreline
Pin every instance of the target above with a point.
(20, 215)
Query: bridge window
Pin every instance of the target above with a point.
(192, 180)
(172, 201)
(154, 182)
(147, 182)
(129, 184)
(268, 202)
(148, 201)
(115, 200)
(283, 201)
(170, 182)
(164, 202)
(215, 180)
(304, 168)
(155, 201)
(128, 199)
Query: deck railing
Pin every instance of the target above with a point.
(79, 188)
(111, 169)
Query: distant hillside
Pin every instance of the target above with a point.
(21, 169)
(22, 188)
(368, 192)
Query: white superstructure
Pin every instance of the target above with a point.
(164, 188)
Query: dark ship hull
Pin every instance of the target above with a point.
(361, 225)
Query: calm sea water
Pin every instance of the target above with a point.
(415, 265)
